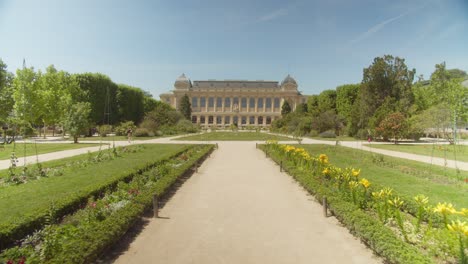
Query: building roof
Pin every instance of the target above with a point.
(235, 84)
(289, 79)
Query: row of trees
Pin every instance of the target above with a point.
(387, 103)
(33, 99)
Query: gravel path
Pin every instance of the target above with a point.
(240, 209)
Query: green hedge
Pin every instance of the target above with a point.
(87, 247)
(12, 232)
(371, 231)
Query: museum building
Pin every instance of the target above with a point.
(220, 103)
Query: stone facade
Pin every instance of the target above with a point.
(218, 103)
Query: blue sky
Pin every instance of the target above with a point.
(148, 44)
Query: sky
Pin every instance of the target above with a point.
(148, 44)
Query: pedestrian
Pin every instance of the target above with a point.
(129, 134)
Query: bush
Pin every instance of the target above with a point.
(121, 129)
(104, 130)
(362, 134)
(186, 126)
(150, 124)
(328, 134)
(142, 132)
(313, 133)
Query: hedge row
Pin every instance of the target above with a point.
(12, 232)
(88, 246)
(371, 231)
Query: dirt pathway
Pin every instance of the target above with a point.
(240, 209)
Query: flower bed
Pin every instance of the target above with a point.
(401, 231)
(82, 236)
(67, 193)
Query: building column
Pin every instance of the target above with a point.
(256, 104)
(264, 104)
(215, 105)
(264, 120)
(232, 102)
(248, 104)
(272, 106)
(222, 103)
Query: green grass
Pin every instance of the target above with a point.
(5, 152)
(340, 138)
(236, 136)
(451, 152)
(114, 138)
(27, 199)
(408, 178)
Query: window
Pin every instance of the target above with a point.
(202, 119)
(252, 120)
(243, 102)
(235, 120)
(244, 120)
(227, 102)
(218, 120)
(210, 119)
(268, 103)
(235, 101)
(227, 120)
(277, 103)
(194, 119)
(252, 103)
(219, 102)
(202, 101)
(268, 120)
(194, 101)
(260, 103)
(211, 102)
(260, 120)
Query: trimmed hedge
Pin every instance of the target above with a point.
(87, 246)
(371, 231)
(10, 233)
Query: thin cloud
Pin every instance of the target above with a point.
(376, 28)
(274, 15)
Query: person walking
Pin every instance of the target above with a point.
(129, 134)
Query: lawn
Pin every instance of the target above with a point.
(5, 152)
(451, 152)
(114, 138)
(17, 201)
(339, 138)
(237, 136)
(407, 178)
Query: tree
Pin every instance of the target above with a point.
(130, 103)
(285, 108)
(346, 96)
(312, 105)
(77, 120)
(29, 108)
(452, 93)
(56, 95)
(185, 107)
(327, 101)
(387, 77)
(99, 90)
(393, 125)
(6, 93)
(301, 109)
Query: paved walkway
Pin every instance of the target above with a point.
(240, 209)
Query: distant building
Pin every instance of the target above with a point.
(243, 103)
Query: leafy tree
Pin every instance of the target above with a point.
(101, 93)
(452, 93)
(29, 108)
(328, 120)
(301, 108)
(130, 103)
(312, 105)
(56, 95)
(285, 108)
(457, 74)
(6, 93)
(327, 101)
(185, 107)
(149, 103)
(393, 125)
(77, 119)
(346, 96)
(387, 77)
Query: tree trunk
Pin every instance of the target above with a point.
(45, 129)
(75, 139)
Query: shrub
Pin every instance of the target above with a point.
(121, 129)
(104, 130)
(142, 132)
(328, 134)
